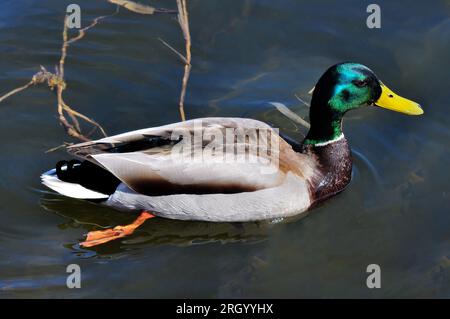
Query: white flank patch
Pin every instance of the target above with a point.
(288, 199)
(340, 137)
(51, 180)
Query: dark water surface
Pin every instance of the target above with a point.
(395, 213)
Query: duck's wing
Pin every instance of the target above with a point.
(191, 158)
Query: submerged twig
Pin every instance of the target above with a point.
(183, 20)
(73, 128)
(94, 22)
(58, 147)
(17, 90)
(140, 8)
(70, 118)
(288, 113)
(301, 100)
(56, 81)
(180, 55)
(40, 77)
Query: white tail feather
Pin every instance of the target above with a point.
(51, 180)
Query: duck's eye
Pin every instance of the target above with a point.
(360, 83)
(345, 95)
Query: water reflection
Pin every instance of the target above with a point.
(157, 231)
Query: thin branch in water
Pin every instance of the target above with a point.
(181, 56)
(40, 77)
(288, 113)
(94, 22)
(58, 147)
(301, 100)
(17, 90)
(73, 129)
(183, 21)
(56, 81)
(140, 8)
(71, 111)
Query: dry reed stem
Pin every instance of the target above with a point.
(40, 77)
(17, 90)
(180, 55)
(94, 22)
(56, 80)
(301, 100)
(183, 20)
(73, 129)
(58, 147)
(283, 109)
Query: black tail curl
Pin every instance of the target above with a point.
(88, 175)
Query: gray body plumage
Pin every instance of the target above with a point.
(256, 185)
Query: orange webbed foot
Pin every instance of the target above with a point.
(98, 237)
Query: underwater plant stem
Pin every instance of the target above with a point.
(180, 55)
(94, 22)
(183, 20)
(17, 90)
(283, 109)
(74, 113)
(73, 129)
(55, 81)
(70, 129)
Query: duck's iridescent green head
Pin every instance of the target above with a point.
(344, 87)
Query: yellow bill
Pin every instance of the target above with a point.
(391, 101)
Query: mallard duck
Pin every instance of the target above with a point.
(266, 176)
